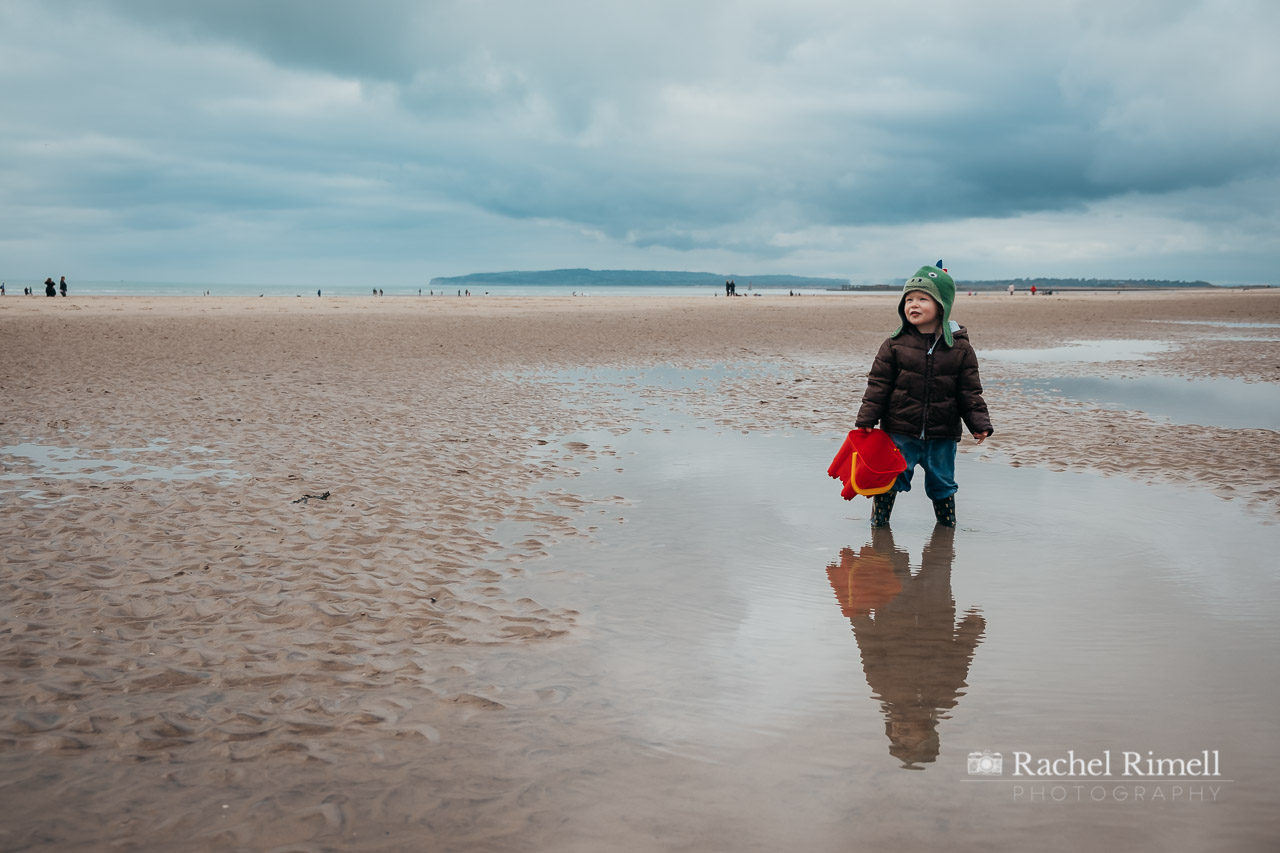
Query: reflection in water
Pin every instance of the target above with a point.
(915, 655)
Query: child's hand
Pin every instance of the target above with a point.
(980, 436)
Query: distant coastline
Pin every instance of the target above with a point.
(1079, 284)
(588, 278)
(1053, 284)
(556, 283)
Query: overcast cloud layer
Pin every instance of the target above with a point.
(326, 142)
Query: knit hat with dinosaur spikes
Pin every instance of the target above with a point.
(936, 282)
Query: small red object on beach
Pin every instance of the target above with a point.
(867, 464)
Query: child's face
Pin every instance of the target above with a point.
(920, 309)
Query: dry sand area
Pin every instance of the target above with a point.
(193, 656)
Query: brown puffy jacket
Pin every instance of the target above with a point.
(914, 392)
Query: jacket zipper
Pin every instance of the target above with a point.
(928, 385)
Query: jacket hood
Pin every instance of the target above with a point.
(936, 282)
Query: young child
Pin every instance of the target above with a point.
(923, 382)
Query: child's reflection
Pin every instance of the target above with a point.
(915, 655)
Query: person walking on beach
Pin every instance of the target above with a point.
(50, 289)
(62, 285)
(923, 383)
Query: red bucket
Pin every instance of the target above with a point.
(868, 463)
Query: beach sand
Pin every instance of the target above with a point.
(195, 655)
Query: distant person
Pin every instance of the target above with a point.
(1011, 289)
(50, 289)
(726, 287)
(317, 291)
(62, 285)
(1, 288)
(1033, 290)
(923, 383)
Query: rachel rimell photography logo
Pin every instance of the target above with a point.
(1120, 776)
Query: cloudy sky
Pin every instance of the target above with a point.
(324, 142)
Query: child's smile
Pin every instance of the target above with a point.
(921, 310)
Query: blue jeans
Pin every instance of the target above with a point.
(938, 459)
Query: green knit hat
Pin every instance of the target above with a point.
(937, 283)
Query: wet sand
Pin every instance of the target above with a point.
(574, 586)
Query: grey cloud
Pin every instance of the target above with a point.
(654, 126)
(378, 38)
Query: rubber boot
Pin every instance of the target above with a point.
(881, 508)
(945, 511)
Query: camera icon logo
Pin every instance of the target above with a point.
(985, 763)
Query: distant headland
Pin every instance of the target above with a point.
(585, 278)
(632, 278)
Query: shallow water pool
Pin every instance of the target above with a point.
(1084, 351)
(1212, 402)
(759, 670)
(1219, 323)
(26, 465)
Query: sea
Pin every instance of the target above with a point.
(240, 290)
